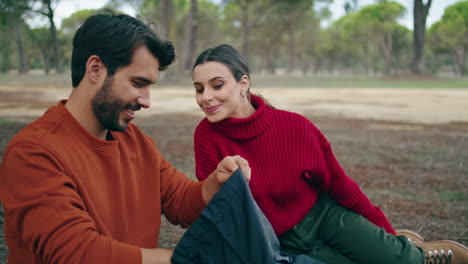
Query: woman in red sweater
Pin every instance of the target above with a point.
(313, 206)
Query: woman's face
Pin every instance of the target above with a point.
(218, 93)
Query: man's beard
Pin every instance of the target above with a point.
(107, 107)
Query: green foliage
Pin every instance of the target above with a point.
(11, 15)
(356, 81)
(75, 20)
(208, 26)
(282, 33)
(363, 37)
(378, 19)
(457, 12)
(40, 39)
(383, 12)
(6, 50)
(402, 41)
(12, 11)
(448, 36)
(451, 30)
(451, 196)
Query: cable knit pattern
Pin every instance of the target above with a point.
(291, 163)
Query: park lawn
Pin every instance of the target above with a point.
(263, 81)
(418, 177)
(357, 82)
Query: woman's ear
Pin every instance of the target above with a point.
(95, 69)
(245, 83)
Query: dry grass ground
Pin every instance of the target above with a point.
(407, 148)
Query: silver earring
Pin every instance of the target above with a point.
(243, 94)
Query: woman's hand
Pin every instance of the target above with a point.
(225, 169)
(156, 255)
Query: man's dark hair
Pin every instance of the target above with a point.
(114, 38)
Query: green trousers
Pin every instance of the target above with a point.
(333, 234)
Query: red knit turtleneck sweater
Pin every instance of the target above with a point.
(291, 163)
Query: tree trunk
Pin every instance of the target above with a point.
(22, 64)
(387, 44)
(366, 60)
(305, 67)
(420, 12)
(190, 35)
(46, 62)
(166, 18)
(459, 55)
(245, 27)
(329, 65)
(5, 61)
(53, 37)
(271, 66)
(292, 46)
(269, 62)
(316, 66)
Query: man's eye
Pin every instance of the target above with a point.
(137, 84)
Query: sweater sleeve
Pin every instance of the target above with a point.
(181, 198)
(44, 208)
(207, 154)
(346, 191)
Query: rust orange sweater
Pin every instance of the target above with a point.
(72, 198)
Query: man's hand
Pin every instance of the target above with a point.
(225, 168)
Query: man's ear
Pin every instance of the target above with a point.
(95, 69)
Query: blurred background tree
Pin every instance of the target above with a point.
(277, 36)
(450, 35)
(420, 12)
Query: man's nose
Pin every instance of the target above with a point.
(144, 100)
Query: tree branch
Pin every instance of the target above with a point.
(426, 7)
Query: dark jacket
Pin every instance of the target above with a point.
(232, 229)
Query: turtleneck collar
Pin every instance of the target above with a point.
(249, 127)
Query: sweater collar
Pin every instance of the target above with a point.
(249, 127)
(83, 135)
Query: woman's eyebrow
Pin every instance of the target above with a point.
(212, 79)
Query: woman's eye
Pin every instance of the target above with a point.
(218, 86)
(199, 90)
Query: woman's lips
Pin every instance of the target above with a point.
(212, 108)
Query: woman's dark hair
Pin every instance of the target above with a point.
(233, 59)
(114, 38)
(227, 55)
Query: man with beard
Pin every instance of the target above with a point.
(82, 184)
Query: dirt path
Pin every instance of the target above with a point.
(432, 106)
